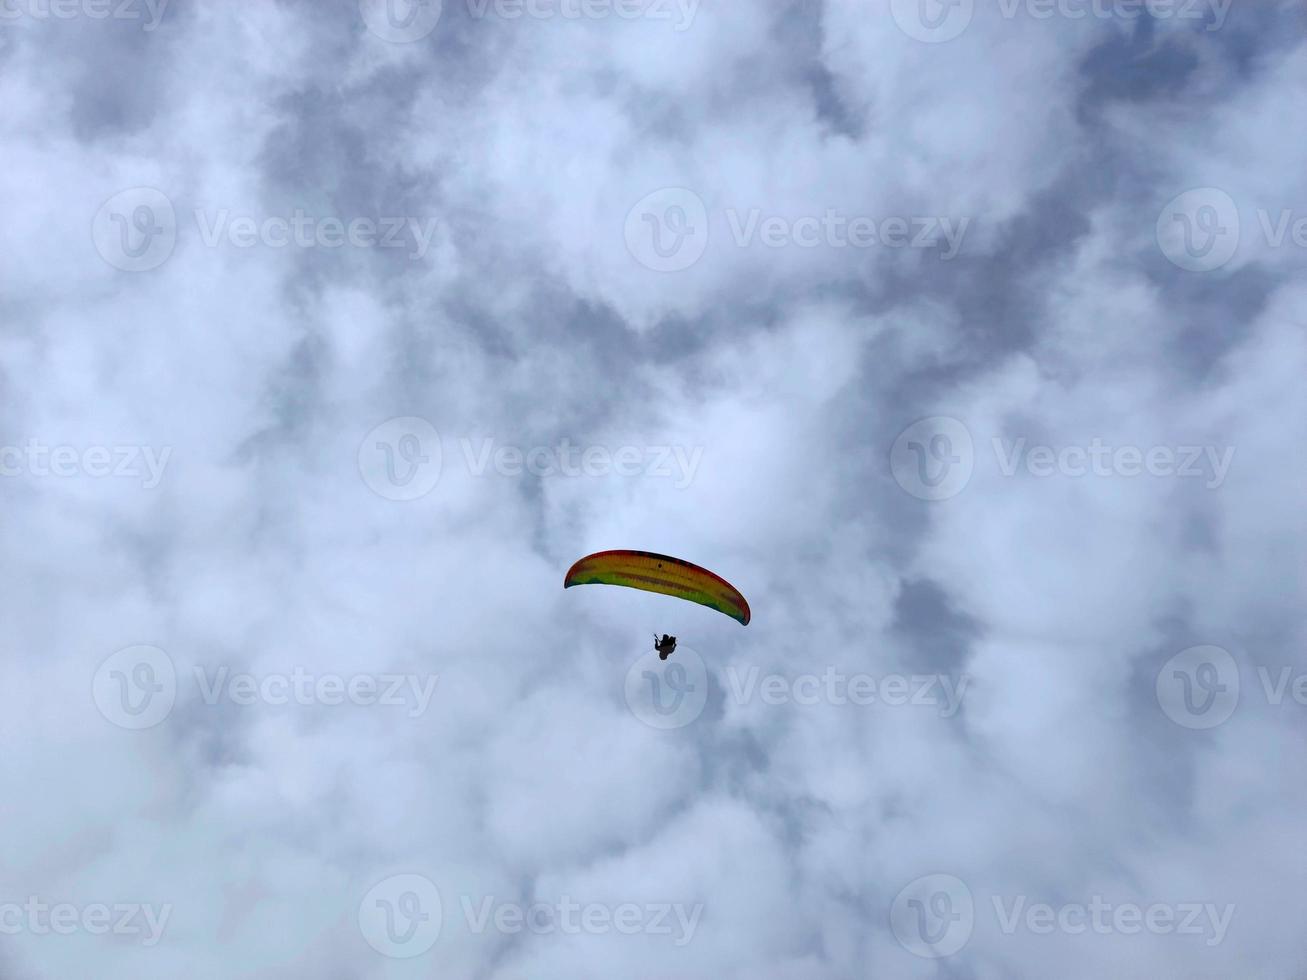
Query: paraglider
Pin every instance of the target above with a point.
(651, 572)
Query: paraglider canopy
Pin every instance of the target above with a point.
(652, 572)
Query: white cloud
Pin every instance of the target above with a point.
(783, 375)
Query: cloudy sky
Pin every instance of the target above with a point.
(968, 340)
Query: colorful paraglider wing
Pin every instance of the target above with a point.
(660, 573)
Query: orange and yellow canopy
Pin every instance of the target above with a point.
(660, 573)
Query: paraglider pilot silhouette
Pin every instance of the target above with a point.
(664, 574)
